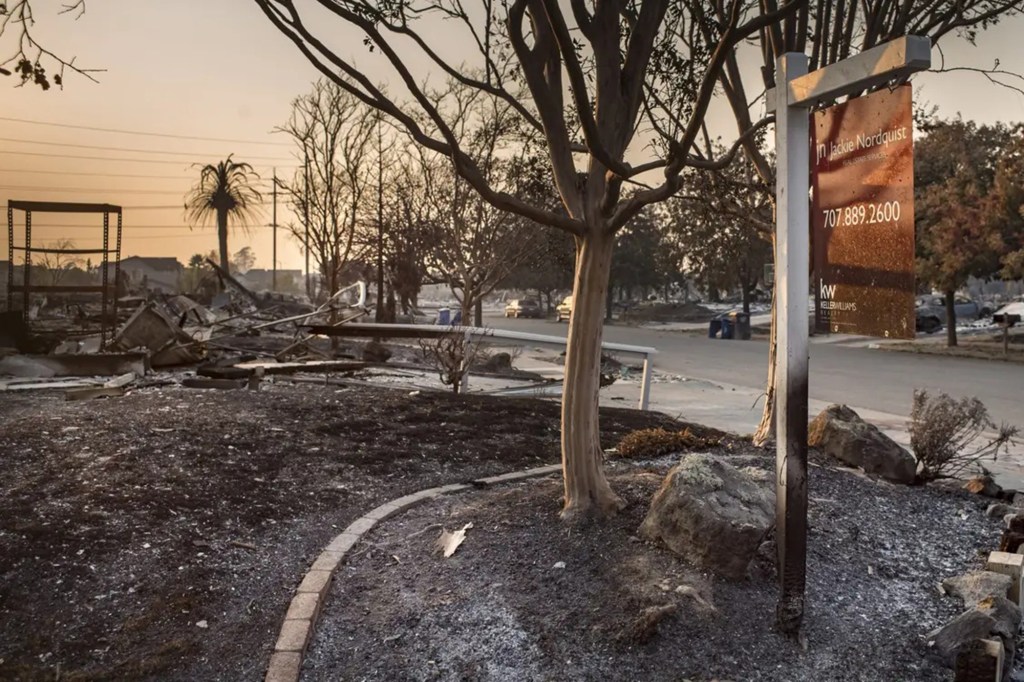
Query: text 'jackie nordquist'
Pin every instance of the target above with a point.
(831, 150)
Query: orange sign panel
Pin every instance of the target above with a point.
(862, 215)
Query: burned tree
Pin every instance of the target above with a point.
(332, 132)
(585, 77)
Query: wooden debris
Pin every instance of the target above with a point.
(224, 384)
(448, 542)
(97, 392)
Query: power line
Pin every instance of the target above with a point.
(138, 132)
(130, 150)
(29, 188)
(110, 175)
(129, 226)
(107, 158)
(96, 175)
(125, 149)
(93, 190)
(92, 158)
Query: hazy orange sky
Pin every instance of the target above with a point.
(220, 71)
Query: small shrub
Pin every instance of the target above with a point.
(648, 443)
(948, 435)
(451, 355)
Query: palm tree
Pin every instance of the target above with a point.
(225, 191)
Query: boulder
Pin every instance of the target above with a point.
(712, 514)
(993, 618)
(977, 586)
(375, 352)
(999, 510)
(498, 363)
(840, 433)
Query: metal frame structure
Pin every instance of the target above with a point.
(27, 288)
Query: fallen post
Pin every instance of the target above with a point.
(74, 365)
(97, 392)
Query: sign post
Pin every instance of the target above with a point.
(795, 94)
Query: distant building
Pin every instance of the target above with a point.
(261, 279)
(158, 275)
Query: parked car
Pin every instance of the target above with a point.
(523, 307)
(930, 311)
(564, 309)
(925, 320)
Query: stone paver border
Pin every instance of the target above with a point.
(304, 610)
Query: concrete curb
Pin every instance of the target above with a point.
(300, 620)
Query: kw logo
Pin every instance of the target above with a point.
(828, 291)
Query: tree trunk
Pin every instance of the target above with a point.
(587, 492)
(950, 319)
(333, 318)
(478, 313)
(390, 306)
(466, 307)
(746, 297)
(608, 306)
(222, 239)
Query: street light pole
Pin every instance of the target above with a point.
(273, 280)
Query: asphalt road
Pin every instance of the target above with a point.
(860, 377)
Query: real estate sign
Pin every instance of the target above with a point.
(862, 179)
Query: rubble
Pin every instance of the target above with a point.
(151, 328)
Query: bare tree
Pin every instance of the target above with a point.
(472, 245)
(25, 57)
(332, 131)
(587, 76)
(57, 262)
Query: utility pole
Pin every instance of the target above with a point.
(273, 277)
(379, 314)
(305, 217)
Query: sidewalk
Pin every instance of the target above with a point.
(737, 409)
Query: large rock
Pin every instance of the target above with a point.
(976, 586)
(993, 618)
(712, 514)
(840, 432)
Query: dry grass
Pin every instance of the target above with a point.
(648, 443)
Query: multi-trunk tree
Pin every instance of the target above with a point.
(586, 77)
(471, 245)
(333, 133)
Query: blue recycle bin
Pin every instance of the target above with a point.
(714, 328)
(444, 317)
(727, 327)
(457, 320)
